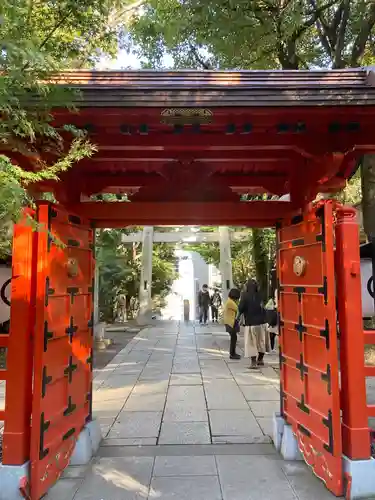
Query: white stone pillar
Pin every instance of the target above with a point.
(225, 260)
(145, 301)
(99, 328)
(96, 294)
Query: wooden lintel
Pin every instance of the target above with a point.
(263, 213)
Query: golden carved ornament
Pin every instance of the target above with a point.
(72, 267)
(299, 265)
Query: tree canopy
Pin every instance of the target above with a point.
(259, 34)
(120, 271)
(40, 37)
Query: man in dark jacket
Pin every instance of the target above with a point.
(251, 307)
(204, 301)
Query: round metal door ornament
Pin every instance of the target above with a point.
(72, 268)
(299, 265)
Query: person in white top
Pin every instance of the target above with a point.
(272, 320)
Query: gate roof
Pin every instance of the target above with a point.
(190, 140)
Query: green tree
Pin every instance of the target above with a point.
(262, 35)
(230, 34)
(120, 270)
(253, 256)
(345, 32)
(40, 38)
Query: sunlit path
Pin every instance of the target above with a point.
(180, 420)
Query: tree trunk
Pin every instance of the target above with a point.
(260, 256)
(368, 195)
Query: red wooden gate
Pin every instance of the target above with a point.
(62, 345)
(308, 354)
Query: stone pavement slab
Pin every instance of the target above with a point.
(224, 394)
(151, 387)
(304, 483)
(253, 478)
(117, 479)
(185, 413)
(186, 488)
(266, 424)
(145, 402)
(64, 489)
(136, 424)
(235, 423)
(185, 466)
(264, 408)
(184, 433)
(260, 392)
(186, 379)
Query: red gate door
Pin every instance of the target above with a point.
(308, 341)
(62, 345)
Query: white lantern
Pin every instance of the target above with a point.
(5, 289)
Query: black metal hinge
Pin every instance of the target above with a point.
(301, 329)
(304, 431)
(74, 219)
(44, 425)
(325, 333)
(46, 379)
(302, 367)
(300, 290)
(298, 242)
(327, 378)
(324, 289)
(70, 408)
(71, 330)
(328, 422)
(302, 406)
(90, 359)
(68, 434)
(72, 291)
(71, 368)
(47, 335)
(49, 291)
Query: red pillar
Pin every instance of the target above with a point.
(355, 431)
(18, 390)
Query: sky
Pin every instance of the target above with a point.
(125, 60)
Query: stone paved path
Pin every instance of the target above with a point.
(180, 420)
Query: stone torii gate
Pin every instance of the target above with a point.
(187, 235)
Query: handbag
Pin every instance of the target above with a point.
(271, 317)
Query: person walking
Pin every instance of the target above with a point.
(231, 320)
(215, 305)
(121, 304)
(255, 328)
(272, 321)
(204, 301)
